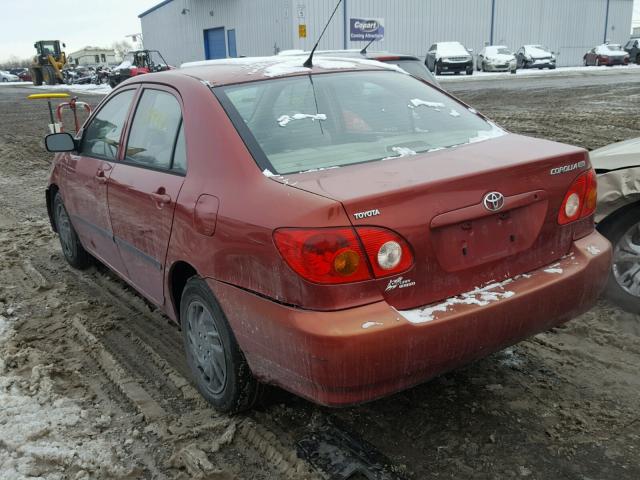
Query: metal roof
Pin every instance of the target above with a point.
(155, 7)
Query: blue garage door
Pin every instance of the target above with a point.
(214, 43)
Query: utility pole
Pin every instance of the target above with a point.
(606, 22)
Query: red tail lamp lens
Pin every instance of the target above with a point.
(388, 252)
(323, 255)
(580, 200)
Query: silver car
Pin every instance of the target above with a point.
(618, 217)
(496, 58)
(8, 77)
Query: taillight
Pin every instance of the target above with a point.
(323, 255)
(335, 255)
(580, 200)
(387, 251)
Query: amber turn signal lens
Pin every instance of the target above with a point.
(346, 262)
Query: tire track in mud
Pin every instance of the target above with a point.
(131, 374)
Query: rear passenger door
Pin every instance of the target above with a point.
(144, 186)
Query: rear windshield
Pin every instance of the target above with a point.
(414, 67)
(303, 123)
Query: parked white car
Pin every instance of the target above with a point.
(8, 77)
(536, 56)
(496, 58)
(618, 217)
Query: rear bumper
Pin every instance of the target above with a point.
(360, 354)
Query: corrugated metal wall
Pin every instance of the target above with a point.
(261, 26)
(568, 27)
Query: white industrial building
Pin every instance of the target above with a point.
(186, 30)
(93, 56)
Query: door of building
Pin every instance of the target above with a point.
(214, 43)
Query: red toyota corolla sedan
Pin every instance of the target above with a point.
(343, 231)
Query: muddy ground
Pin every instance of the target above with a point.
(92, 380)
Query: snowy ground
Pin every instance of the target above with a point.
(93, 383)
(534, 72)
(87, 89)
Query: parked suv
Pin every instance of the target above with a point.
(535, 56)
(445, 57)
(633, 49)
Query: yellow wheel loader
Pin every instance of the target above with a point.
(47, 64)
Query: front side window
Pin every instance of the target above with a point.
(154, 130)
(101, 138)
(304, 123)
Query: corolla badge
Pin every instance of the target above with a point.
(493, 201)
(568, 168)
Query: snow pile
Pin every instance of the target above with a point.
(480, 296)
(416, 102)
(289, 64)
(451, 49)
(284, 120)
(42, 434)
(89, 88)
(400, 152)
(366, 325)
(593, 250)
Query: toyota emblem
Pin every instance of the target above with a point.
(493, 201)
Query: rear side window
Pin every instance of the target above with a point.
(101, 138)
(154, 130)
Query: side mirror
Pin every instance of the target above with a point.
(470, 50)
(59, 142)
(64, 45)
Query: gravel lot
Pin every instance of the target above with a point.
(92, 381)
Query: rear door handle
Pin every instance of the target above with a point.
(161, 198)
(100, 177)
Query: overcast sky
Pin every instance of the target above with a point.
(77, 23)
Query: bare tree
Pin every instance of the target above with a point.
(121, 48)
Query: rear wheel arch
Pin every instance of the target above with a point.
(179, 274)
(605, 225)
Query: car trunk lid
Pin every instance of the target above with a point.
(436, 201)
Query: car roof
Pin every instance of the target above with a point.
(242, 70)
(353, 53)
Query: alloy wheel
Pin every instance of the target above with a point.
(626, 261)
(206, 347)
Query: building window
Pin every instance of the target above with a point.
(97, 59)
(103, 58)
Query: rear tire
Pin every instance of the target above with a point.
(623, 231)
(72, 249)
(217, 364)
(49, 75)
(36, 76)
